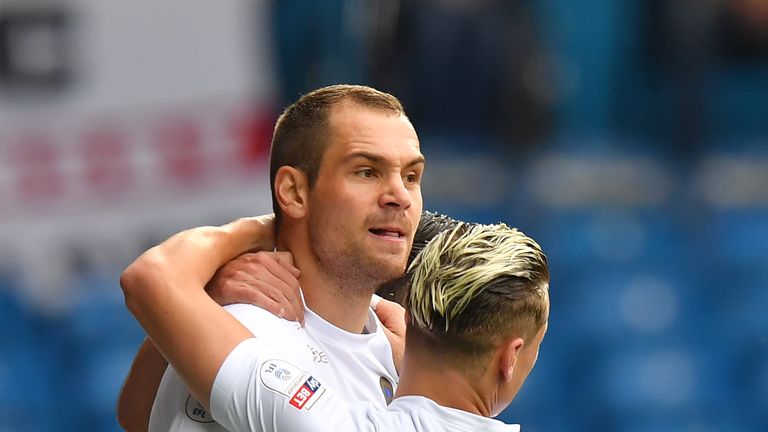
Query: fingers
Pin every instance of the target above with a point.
(388, 308)
(266, 279)
(267, 303)
(286, 260)
(280, 276)
(391, 315)
(375, 299)
(256, 292)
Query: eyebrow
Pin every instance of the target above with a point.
(378, 159)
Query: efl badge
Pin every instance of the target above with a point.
(197, 412)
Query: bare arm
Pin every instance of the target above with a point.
(164, 290)
(138, 393)
(143, 381)
(243, 280)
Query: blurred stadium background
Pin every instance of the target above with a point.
(630, 138)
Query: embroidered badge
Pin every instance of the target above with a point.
(301, 389)
(317, 355)
(280, 376)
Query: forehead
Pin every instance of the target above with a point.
(355, 128)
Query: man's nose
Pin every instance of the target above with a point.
(396, 194)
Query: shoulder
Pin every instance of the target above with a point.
(429, 415)
(248, 310)
(257, 319)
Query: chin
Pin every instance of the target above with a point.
(388, 269)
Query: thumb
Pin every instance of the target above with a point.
(391, 315)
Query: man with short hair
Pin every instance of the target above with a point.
(478, 308)
(345, 168)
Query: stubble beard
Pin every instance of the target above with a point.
(357, 271)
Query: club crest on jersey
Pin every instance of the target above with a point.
(317, 355)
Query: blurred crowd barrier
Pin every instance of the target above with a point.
(629, 138)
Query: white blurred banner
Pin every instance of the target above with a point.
(134, 121)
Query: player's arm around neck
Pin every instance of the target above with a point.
(164, 290)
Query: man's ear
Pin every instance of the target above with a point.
(292, 191)
(510, 352)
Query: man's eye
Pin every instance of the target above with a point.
(412, 178)
(366, 173)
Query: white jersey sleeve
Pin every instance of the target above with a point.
(257, 390)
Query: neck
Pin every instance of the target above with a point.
(445, 385)
(341, 302)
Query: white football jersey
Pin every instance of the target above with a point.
(358, 366)
(257, 390)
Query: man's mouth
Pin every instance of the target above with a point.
(387, 232)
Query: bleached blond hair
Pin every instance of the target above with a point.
(475, 284)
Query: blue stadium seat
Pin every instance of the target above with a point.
(26, 394)
(589, 41)
(642, 379)
(741, 93)
(102, 338)
(747, 375)
(617, 236)
(739, 237)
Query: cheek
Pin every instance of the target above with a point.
(336, 195)
(339, 208)
(350, 192)
(416, 208)
(417, 200)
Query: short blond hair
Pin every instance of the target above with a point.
(474, 285)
